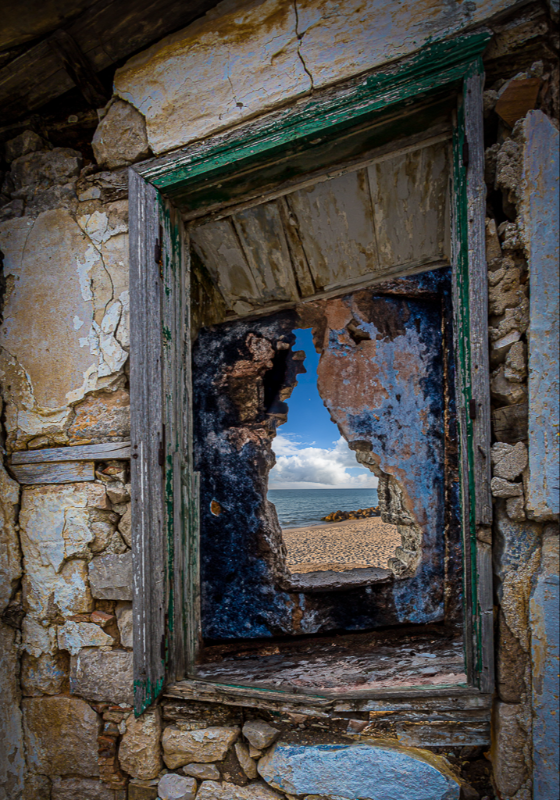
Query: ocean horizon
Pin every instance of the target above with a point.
(297, 508)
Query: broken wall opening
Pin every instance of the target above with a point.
(326, 502)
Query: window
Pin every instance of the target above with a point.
(346, 215)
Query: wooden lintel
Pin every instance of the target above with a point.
(58, 472)
(107, 451)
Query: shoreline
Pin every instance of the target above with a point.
(341, 546)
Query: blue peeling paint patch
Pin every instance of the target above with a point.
(355, 772)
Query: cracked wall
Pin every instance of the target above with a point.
(65, 577)
(381, 376)
(65, 332)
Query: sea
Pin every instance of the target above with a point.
(297, 508)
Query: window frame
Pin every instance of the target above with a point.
(166, 607)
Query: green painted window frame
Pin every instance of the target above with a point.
(164, 484)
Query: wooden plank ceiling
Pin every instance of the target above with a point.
(74, 41)
(386, 217)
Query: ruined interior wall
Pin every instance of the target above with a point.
(66, 631)
(381, 377)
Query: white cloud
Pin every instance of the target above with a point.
(301, 466)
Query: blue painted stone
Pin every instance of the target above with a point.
(356, 772)
(539, 227)
(545, 652)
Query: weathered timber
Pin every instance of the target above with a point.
(149, 556)
(255, 697)
(181, 484)
(439, 132)
(478, 297)
(79, 68)
(108, 451)
(105, 33)
(58, 472)
(480, 411)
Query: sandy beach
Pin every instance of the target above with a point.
(341, 545)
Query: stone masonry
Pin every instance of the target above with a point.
(67, 726)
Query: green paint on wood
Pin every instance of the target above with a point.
(434, 67)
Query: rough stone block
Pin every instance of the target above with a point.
(139, 750)
(503, 488)
(539, 224)
(120, 137)
(212, 75)
(74, 636)
(125, 526)
(211, 790)
(369, 772)
(101, 418)
(26, 142)
(102, 676)
(12, 756)
(259, 733)
(515, 508)
(60, 736)
(110, 577)
(509, 462)
(124, 621)
(209, 744)
(37, 787)
(204, 772)
(10, 563)
(176, 787)
(47, 674)
(509, 748)
(137, 792)
(248, 764)
(545, 652)
(82, 788)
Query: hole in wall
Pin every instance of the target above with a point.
(325, 499)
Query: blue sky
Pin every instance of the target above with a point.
(310, 452)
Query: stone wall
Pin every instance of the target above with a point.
(65, 577)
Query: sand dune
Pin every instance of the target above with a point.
(341, 545)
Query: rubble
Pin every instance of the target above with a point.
(180, 747)
(120, 138)
(259, 733)
(176, 787)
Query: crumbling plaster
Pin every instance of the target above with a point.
(248, 56)
(65, 330)
(330, 41)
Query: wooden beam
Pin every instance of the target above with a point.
(62, 472)
(108, 451)
(105, 33)
(479, 410)
(149, 557)
(79, 68)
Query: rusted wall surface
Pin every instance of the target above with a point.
(382, 378)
